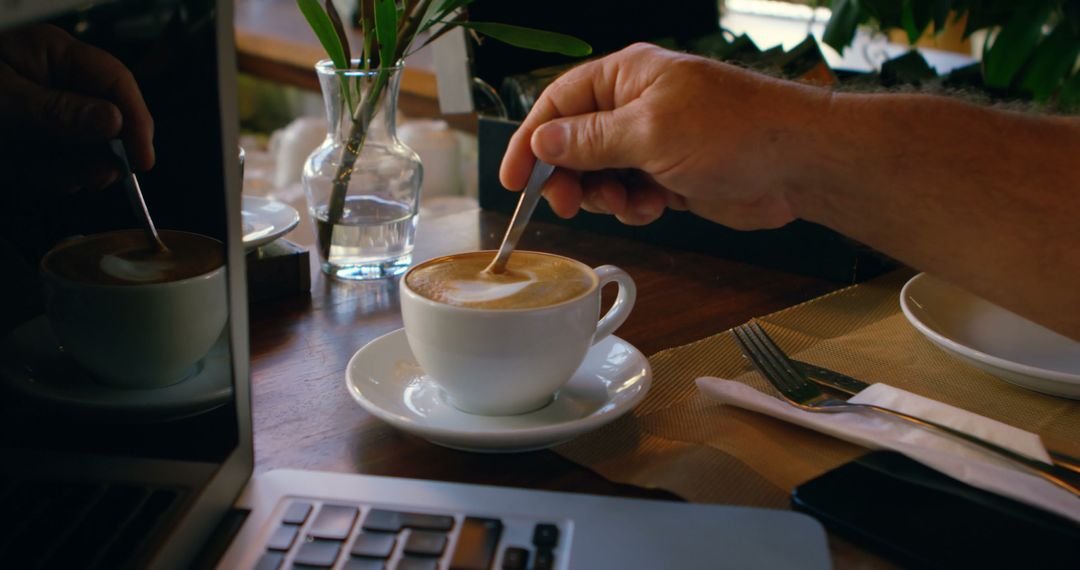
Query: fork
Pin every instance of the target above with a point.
(804, 394)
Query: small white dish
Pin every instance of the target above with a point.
(264, 220)
(385, 380)
(991, 338)
(35, 366)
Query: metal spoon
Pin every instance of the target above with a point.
(138, 205)
(526, 204)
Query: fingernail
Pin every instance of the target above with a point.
(552, 139)
(646, 211)
(98, 119)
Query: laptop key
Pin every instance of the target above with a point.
(515, 559)
(545, 559)
(476, 544)
(283, 537)
(357, 563)
(374, 544)
(333, 522)
(270, 561)
(296, 513)
(410, 563)
(318, 553)
(383, 520)
(546, 536)
(425, 543)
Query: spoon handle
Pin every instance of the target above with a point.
(135, 197)
(526, 204)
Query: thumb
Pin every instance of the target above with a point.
(69, 115)
(592, 141)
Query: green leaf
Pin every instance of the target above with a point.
(841, 27)
(339, 30)
(386, 31)
(324, 30)
(915, 16)
(888, 13)
(440, 10)
(434, 36)
(1069, 96)
(984, 14)
(1051, 62)
(367, 28)
(907, 18)
(529, 38)
(1015, 43)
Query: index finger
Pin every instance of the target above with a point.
(577, 92)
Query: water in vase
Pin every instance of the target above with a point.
(373, 239)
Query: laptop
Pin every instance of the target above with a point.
(97, 475)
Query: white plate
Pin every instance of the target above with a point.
(35, 366)
(385, 379)
(991, 338)
(264, 220)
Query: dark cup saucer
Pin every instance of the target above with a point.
(35, 366)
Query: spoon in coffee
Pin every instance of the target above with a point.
(135, 197)
(526, 204)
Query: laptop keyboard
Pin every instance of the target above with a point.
(54, 524)
(312, 534)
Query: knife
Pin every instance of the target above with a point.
(851, 386)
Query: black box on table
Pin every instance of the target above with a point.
(278, 269)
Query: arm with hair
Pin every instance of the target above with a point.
(986, 198)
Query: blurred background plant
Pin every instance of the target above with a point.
(1029, 50)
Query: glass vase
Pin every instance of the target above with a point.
(362, 184)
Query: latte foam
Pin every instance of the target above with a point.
(124, 258)
(531, 280)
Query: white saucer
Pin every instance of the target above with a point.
(991, 338)
(385, 379)
(264, 220)
(35, 366)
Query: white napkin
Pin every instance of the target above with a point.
(982, 469)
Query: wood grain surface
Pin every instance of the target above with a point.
(304, 418)
(300, 347)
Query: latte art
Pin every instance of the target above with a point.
(531, 280)
(127, 267)
(123, 258)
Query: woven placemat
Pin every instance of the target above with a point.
(703, 451)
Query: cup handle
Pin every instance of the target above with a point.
(624, 301)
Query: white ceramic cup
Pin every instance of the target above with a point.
(136, 335)
(510, 361)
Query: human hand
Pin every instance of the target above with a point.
(67, 99)
(646, 128)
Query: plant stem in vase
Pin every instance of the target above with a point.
(362, 184)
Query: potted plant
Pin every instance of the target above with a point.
(1031, 46)
(363, 184)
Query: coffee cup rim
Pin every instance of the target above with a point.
(589, 270)
(45, 270)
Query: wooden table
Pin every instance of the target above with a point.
(304, 418)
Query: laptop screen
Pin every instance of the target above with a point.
(113, 344)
